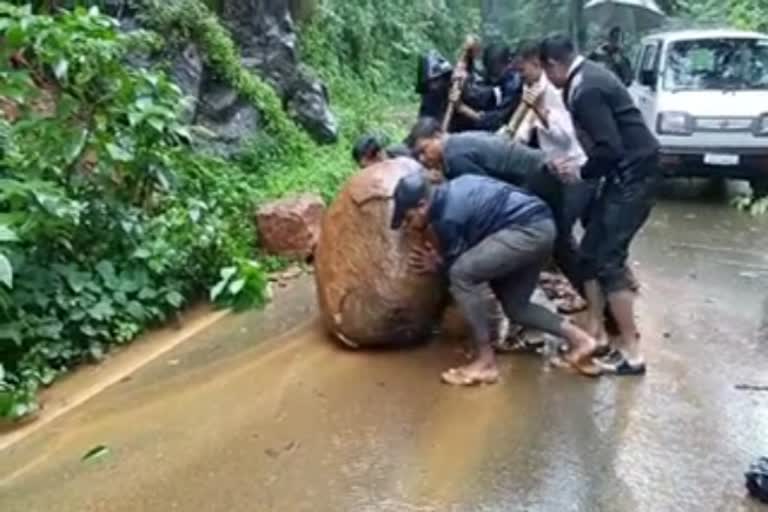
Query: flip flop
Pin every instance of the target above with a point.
(586, 367)
(518, 346)
(585, 364)
(457, 377)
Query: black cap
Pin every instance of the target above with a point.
(399, 150)
(366, 146)
(409, 191)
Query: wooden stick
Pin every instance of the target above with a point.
(456, 84)
(516, 120)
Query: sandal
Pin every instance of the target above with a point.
(519, 343)
(519, 346)
(458, 377)
(585, 364)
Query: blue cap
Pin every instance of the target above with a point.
(409, 191)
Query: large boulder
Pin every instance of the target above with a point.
(366, 292)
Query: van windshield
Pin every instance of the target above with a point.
(717, 64)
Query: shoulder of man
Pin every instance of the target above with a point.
(591, 79)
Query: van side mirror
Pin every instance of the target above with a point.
(648, 78)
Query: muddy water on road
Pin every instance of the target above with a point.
(295, 424)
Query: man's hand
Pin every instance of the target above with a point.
(435, 176)
(468, 112)
(455, 95)
(565, 169)
(424, 260)
(532, 96)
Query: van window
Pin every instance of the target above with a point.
(717, 64)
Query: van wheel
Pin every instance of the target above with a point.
(759, 187)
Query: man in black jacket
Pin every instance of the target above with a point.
(488, 106)
(488, 233)
(624, 153)
(499, 157)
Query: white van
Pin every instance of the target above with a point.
(704, 93)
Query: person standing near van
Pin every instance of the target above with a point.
(622, 151)
(611, 55)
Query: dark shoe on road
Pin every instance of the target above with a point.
(616, 363)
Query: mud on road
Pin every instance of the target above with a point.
(241, 420)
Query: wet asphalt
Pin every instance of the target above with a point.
(262, 413)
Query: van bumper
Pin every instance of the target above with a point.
(697, 162)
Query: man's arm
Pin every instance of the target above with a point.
(451, 244)
(461, 164)
(595, 117)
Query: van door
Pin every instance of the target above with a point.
(644, 88)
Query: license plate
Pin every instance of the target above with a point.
(721, 159)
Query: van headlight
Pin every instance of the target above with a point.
(674, 123)
(761, 127)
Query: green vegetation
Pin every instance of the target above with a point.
(112, 215)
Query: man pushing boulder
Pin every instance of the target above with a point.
(488, 234)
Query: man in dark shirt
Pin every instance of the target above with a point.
(623, 152)
(611, 55)
(497, 156)
(488, 106)
(433, 84)
(492, 234)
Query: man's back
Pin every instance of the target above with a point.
(489, 154)
(470, 208)
(614, 130)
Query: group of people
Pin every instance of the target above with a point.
(546, 140)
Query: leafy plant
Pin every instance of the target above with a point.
(241, 286)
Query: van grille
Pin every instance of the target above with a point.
(725, 124)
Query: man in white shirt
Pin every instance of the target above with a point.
(548, 120)
(548, 124)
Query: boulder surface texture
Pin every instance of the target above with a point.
(367, 294)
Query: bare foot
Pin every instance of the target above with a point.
(581, 360)
(583, 348)
(471, 375)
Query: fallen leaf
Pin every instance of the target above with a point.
(96, 453)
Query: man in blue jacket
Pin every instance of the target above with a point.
(488, 233)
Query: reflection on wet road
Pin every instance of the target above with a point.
(295, 424)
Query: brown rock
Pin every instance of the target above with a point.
(367, 294)
(291, 227)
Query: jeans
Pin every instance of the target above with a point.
(621, 209)
(509, 262)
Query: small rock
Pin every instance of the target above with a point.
(291, 273)
(291, 227)
(667, 334)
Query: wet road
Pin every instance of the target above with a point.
(233, 422)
